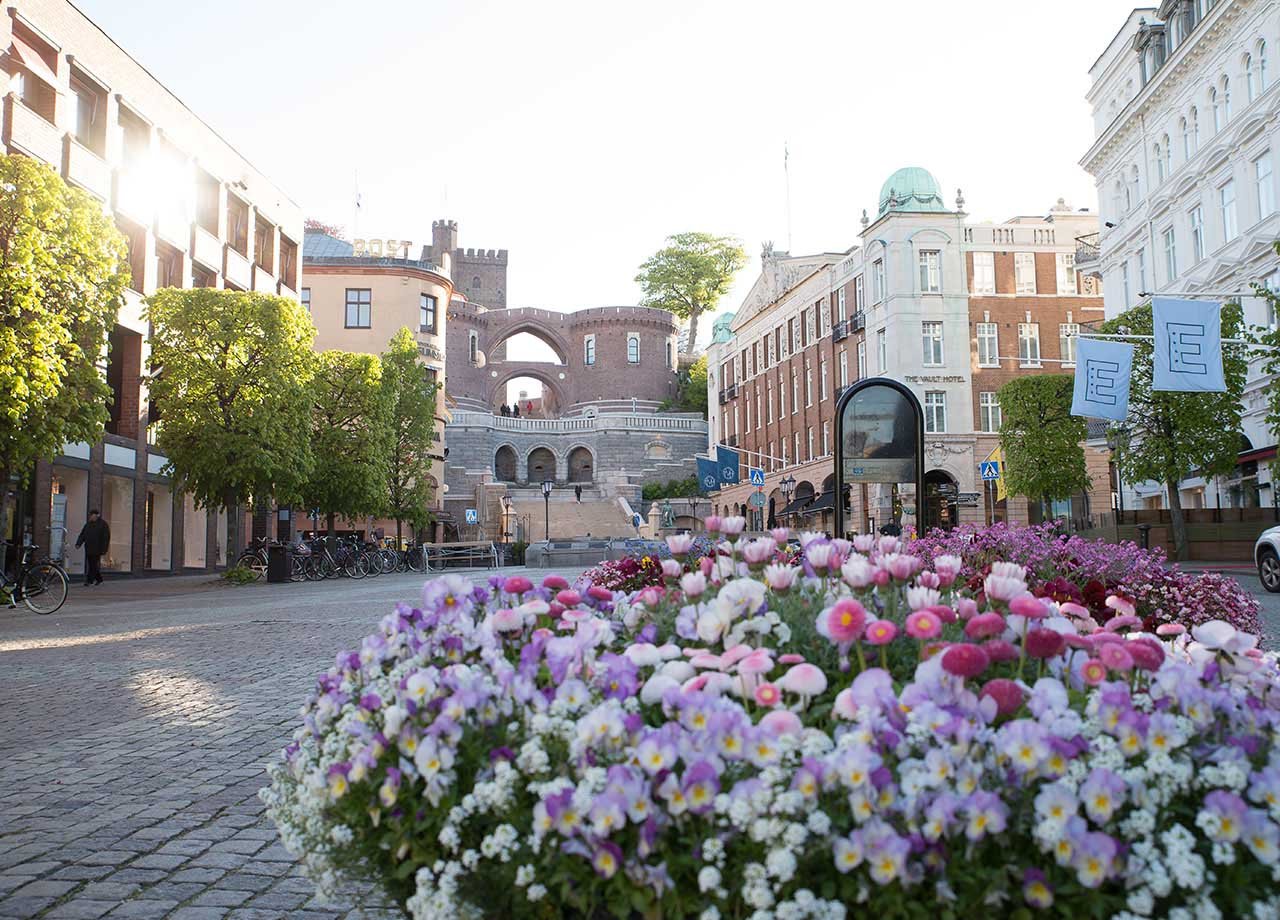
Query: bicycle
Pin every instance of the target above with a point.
(42, 586)
(254, 557)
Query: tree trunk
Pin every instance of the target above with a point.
(329, 518)
(232, 536)
(1180, 546)
(397, 533)
(4, 513)
(693, 333)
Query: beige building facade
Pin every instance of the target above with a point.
(195, 213)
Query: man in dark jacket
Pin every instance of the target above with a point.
(95, 537)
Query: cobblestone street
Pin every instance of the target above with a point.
(136, 727)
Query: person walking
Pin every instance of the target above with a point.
(577, 493)
(95, 537)
(515, 409)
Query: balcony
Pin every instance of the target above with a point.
(174, 226)
(237, 270)
(207, 250)
(286, 291)
(728, 393)
(859, 321)
(88, 170)
(840, 331)
(263, 281)
(1088, 250)
(33, 135)
(732, 440)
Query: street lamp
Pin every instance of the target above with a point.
(506, 518)
(693, 510)
(547, 486)
(787, 485)
(1116, 439)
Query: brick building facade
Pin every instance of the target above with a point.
(954, 309)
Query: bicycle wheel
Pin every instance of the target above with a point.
(299, 568)
(255, 561)
(356, 565)
(44, 588)
(313, 568)
(413, 558)
(389, 560)
(372, 564)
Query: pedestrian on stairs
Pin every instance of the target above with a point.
(515, 409)
(577, 493)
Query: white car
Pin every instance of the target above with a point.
(1266, 552)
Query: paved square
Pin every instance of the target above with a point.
(136, 725)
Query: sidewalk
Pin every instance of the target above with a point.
(1227, 568)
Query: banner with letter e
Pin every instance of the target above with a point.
(1187, 346)
(708, 475)
(1102, 379)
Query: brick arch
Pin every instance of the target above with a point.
(578, 471)
(504, 324)
(507, 373)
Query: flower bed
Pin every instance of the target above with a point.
(855, 734)
(1088, 572)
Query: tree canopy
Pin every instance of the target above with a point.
(411, 400)
(689, 275)
(1040, 439)
(691, 395)
(231, 376)
(1176, 435)
(350, 418)
(63, 270)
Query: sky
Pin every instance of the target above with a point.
(577, 135)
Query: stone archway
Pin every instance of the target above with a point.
(541, 464)
(552, 387)
(581, 465)
(506, 324)
(504, 464)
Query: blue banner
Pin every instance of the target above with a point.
(1187, 355)
(729, 463)
(1103, 369)
(708, 476)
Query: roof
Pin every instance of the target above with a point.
(911, 188)
(317, 245)
(722, 328)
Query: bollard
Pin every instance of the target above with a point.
(1144, 536)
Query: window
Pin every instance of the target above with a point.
(1197, 234)
(809, 431)
(203, 278)
(426, 313)
(746, 403)
(306, 300)
(589, 354)
(1170, 254)
(759, 414)
(208, 196)
(782, 396)
(1185, 131)
(33, 80)
(168, 266)
(1195, 129)
(1216, 109)
(793, 335)
(840, 306)
(877, 281)
(862, 358)
(826, 439)
(822, 379)
(1226, 100)
(882, 351)
(1250, 87)
(633, 349)
(1227, 198)
(475, 284)
(930, 271)
(1029, 344)
(783, 442)
(238, 225)
(1125, 290)
(1266, 191)
(1066, 273)
(90, 113)
(1262, 66)
(931, 336)
(1067, 333)
(844, 368)
(756, 354)
(669, 353)
(264, 244)
(808, 386)
(989, 412)
(780, 343)
(988, 345)
(809, 331)
(858, 301)
(1167, 163)
(769, 405)
(935, 412)
(359, 308)
(1024, 272)
(288, 261)
(795, 392)
(984, 273)
(1142, 269)
(796, 439)
(1157, 162)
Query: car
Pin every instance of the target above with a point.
(1266, 552)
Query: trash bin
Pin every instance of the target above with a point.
(1144, 536)
(279, 563)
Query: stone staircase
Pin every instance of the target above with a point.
(596, 515)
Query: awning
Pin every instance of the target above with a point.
(29, 58)
(796, 505)
(824, 502)
(1260, 453)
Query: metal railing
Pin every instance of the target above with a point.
(1088, 249)
(439, 556)
(840, 331)
(859, 321)
(607, 420)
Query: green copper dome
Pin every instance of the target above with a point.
(721, 329)
(912, 189)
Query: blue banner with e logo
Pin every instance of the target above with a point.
(1102, 379)
(1187, 355)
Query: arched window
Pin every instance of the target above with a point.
(1262, 66)
(1226, 100)
(1250, 87)
(1126, 196)
(1133, 181)
(633, 349)
(1168, 156)
(1159, 163)
(475, 283)
(1195, 129)
(1216, 109)
(1185, 131)
(472, 346)
(1117, 198)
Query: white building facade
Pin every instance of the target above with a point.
(1185, 102)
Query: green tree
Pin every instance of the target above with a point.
(689, 275)
(350, 419)
(63, 269)
(1041, 440)
(231, 376)
(691, 389)
(411, 398)
(1176, 435)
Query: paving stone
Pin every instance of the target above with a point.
(199, 913)
(158, 861)
(221, 897)
(46, 888)
(80, 909)
(202, 874)
(143, 910)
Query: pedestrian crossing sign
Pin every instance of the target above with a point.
(990, 470)
(757, 476)
(472, 516)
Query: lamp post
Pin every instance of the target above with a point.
(1115, 440)
(506, 518)
(787, 485)
(547, 486)
(693, 510)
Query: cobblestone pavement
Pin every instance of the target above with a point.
(136, 725)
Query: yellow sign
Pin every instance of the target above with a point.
(998, 456)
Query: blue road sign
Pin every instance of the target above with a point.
(472, 516)
(757, 476)
(990, 470)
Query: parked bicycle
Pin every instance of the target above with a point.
(42, 586)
